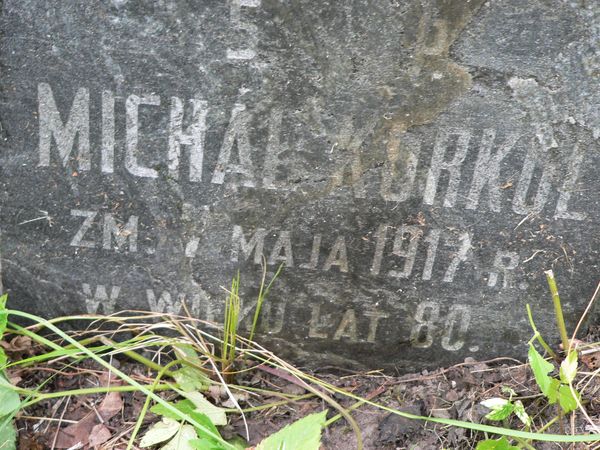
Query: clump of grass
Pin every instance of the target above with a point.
(262, 295)
(185, 357)
(230, 328)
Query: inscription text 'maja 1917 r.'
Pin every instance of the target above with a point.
(414, 165)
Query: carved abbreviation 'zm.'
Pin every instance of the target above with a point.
(112, 232)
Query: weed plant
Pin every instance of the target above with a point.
(208, 356)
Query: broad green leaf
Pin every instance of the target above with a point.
(204, 444)
(492, 444)
(553, 391)
(182, 439)
(541, 368)
(501, 408)
(566, 400)
(8, 434)
(9, 399)
(521, 413)
(3, 315)
(568, 368)
(187, 353)
(3, 358)
(203, 419)
(304, 434)
(191, 379)
(185, 406)
(160, 432)
(501, 413)
(215, 414)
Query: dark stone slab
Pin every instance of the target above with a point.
(416, 165)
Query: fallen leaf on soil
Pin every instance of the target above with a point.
(229, 403)
(76, 433)
(293, 389)
(80, 432)
(452, 395)
(99, 435)
(19, 344)
(109, 379)
(31, 443)
(111, 405)
(216, 392)
(591, 360)
(14, 379)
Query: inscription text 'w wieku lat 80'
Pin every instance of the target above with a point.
(415, 166)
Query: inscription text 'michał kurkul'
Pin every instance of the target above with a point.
(239, 156)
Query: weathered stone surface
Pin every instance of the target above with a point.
(416, 165)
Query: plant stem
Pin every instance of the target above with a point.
(144, 410)
(99, 390)
(524, 443)
(538, 336)
(339, 416)
(271, 405)
(560, 320)
(139, 358)
(548, 425)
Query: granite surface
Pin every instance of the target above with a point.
(414, 165)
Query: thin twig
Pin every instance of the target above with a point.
(59, 422)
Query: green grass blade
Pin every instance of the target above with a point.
(118, 373)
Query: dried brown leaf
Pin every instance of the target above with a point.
(99, 435)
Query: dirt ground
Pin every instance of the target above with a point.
(104, 421)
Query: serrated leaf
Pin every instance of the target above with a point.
(521, 413)
(566, 399)
(492, 444)
(304, 434)
(568, 368)
(160, 432)
(182, 439)
(501, 413)
(216, 415)
(541, 368)
(501, 408)
(8, 434)
(191, 379)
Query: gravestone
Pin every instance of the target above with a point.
(414, 165)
